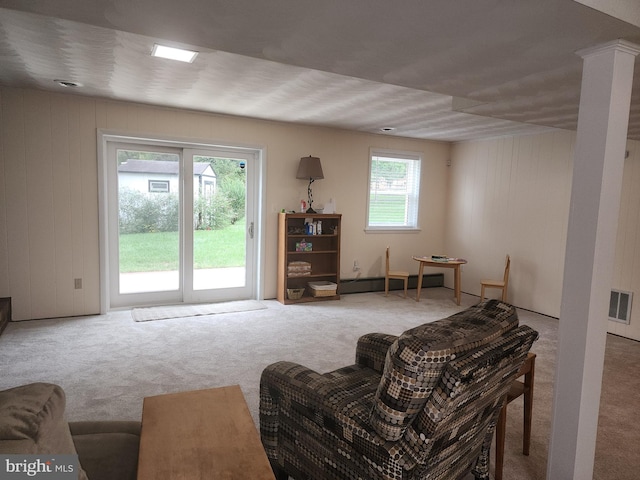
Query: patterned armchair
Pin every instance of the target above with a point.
(419, 406)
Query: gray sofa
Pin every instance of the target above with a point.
(32, 421)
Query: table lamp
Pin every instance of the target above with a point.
(311, 168)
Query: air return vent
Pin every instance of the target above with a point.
(620, 306)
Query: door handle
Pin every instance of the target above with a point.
(251, 230)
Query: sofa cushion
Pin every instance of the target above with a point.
(416, 359)
(32, 421)
(108, 449)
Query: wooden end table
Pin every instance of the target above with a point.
(201, 434)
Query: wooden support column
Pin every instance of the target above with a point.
(593, 218)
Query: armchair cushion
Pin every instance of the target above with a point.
(32, 421)
(107, 449)
(415, 361)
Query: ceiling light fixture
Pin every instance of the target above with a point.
(171, 53)
(67, 83)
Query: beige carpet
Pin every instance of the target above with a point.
(145, 314)
(107, 364)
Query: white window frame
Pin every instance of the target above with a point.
(412, 192)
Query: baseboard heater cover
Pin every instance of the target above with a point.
(376, 284)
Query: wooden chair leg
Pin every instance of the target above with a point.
(481, 293)
(278, 472)
(406, 284)
(525, 389)
(528, 407)
(386, 286)
(501, 429)
(504, 294)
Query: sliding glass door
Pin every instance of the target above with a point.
(221, 230)
(148, 221)
(181, 224)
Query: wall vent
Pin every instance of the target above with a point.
(620, 306)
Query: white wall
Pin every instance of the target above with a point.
(49, 190)
(511, 195)
(507, 195)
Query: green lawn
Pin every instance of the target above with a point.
(154, 252)
(386, 209)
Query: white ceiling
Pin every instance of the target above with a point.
(431, 69)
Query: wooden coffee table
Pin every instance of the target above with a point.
(201, 434)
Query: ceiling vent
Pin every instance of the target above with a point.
(620, 306)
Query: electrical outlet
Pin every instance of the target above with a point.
(77, 282)
(356, 267)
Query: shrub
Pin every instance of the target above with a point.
(233, 189)
(212, 212)
(148, 212)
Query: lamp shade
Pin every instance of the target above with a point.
(310, 168)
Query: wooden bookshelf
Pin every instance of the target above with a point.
(324, 256)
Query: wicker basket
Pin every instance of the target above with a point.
(295, 293)
(323, 289)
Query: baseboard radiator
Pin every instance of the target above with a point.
(376, 284)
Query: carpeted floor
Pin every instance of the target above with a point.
(108, 364)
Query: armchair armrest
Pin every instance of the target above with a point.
(300, 407)
(279, 383)
(371, 350)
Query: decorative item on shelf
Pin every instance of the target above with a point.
(297, 230)
(313, 228)
(304, 246)
(295, 293)
(310, 168)
(310, 228)
(298, 269)
(329, 207)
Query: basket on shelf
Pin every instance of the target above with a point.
(295, 293)
(323, 289)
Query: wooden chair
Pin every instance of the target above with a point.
(502, 284)
(518, 388)
(394, 274)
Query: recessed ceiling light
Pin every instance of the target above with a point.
(387, 129)
(68, 83)
(171, 53)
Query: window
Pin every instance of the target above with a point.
(394, 190)
(620, 306)
(158, 185)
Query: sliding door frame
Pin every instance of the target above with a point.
(255, 194)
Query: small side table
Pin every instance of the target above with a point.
(518, 388)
